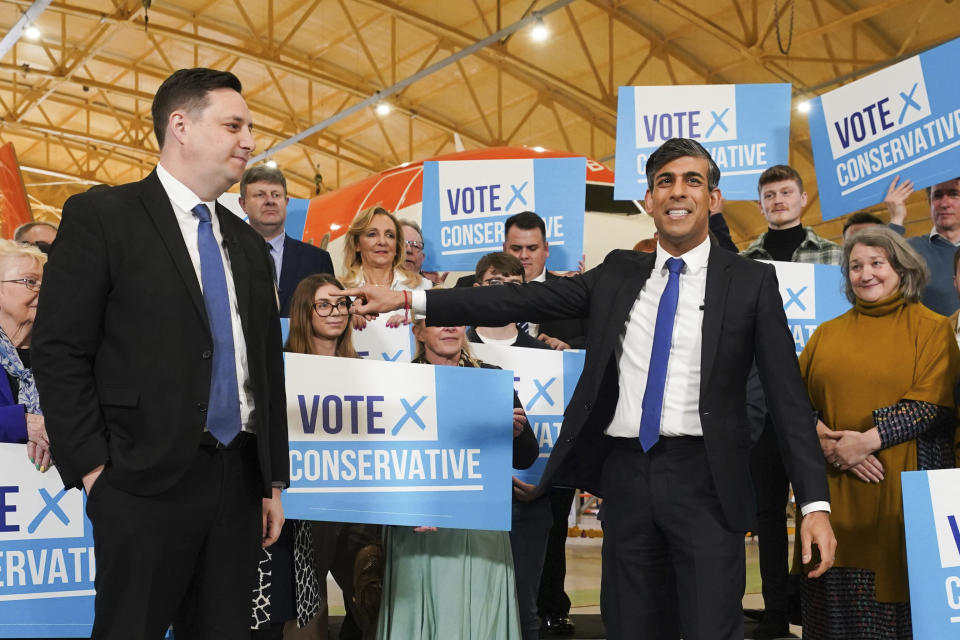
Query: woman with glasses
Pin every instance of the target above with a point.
(293, 572)
(453, 583)
(374, 250)
(21, 270)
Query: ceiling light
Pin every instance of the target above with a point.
(804, 107)
(539, 149)
(539, 31)
(404, 164)
(32, 33)
(334, 226)
(383, 108)
(271, 163)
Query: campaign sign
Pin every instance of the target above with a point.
(903, 120)
(931, 511)
(812, 293)
(544, 380)
(377, 341)
(47, 565)
(402, 444)
(465, 203)
(745, 127)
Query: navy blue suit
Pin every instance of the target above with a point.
(299, 261)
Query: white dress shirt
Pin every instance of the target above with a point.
(183, 200)
(680, 415)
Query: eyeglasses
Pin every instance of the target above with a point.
(497, 281)
(29, 283)
(415, 244)
(325, 309)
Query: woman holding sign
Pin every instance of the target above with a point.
(373, 253)
(453, 583)
(881, 377)
(21, 270)
(297, 566)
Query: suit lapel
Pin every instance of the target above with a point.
(239, 263)
(156, 202)
(287, 266)
(718, 283)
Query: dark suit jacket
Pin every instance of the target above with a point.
(743, 318)
(299, 261)
(573, 331)
(122, 348)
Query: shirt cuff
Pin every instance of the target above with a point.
(818, 505)
(418, 302)
(283, 485)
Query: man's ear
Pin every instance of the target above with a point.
(177, 126)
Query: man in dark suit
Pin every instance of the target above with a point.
(657, 425)
(263, 196)
(157, 346)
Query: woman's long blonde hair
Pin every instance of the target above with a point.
(301, 318)
(420, 353)
(352, 262)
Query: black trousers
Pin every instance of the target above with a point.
(772, 490)
(669, 559)
(187, 556)
(552, 600)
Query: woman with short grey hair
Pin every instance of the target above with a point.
(21, 420)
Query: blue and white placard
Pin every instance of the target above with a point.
(903, 120)
(544, 380)
(404, 444)
(465, 203)
(931, 511)
(377, 341)
(812, 294)
(47, 565)
(745, 127)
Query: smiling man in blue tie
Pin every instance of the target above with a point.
(158, 341)
(657, 425)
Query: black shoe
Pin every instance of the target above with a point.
(558, 625)
(774, 624)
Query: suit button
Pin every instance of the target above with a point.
(569, 439)
(588, 406)
(206, 355)
(202, 406)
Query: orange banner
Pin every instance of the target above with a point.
(14, 206)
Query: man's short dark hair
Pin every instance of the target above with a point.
(25, 227)
(525, 220)
(501, 262)
(676, 148)
(860, 217)
(262, 173)
(187, 89)
(779, 173)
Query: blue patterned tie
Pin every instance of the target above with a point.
(223, 409)
(659, 355)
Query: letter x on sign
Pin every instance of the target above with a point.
(717, 122)
(517, 195)
(908, 102)
(411, 414)
(541, 391)
(795, 299)
(50, 506)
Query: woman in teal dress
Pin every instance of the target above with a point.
(453, 583)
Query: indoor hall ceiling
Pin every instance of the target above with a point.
(76, 101)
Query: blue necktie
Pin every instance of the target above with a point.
(659, 355)
(223, 408)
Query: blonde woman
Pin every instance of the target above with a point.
(373, 253)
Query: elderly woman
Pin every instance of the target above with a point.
(453, 583)
(881, 377)
(21, 270)
(374, 250)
